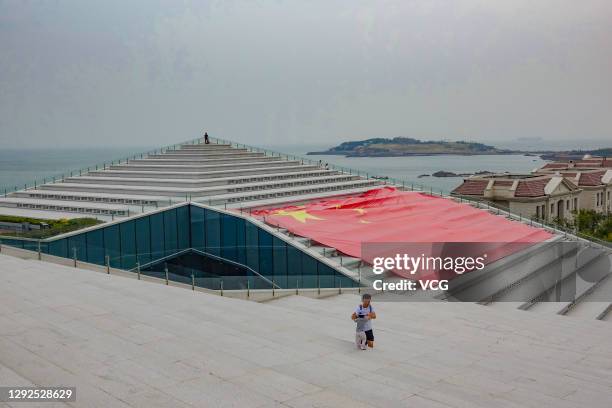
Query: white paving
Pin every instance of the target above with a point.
(129, 343)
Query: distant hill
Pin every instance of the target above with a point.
(406, 146)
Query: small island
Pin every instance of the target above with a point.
(406, 146)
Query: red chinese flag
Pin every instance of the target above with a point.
(387, 215)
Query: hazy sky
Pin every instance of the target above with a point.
(156, 72)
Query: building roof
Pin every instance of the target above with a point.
(596, 162)
(503, 183)
(532, 187)
(556, 166)
(591, 178)
(472, 187)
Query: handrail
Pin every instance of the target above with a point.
(203, 253)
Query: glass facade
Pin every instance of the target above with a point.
(149, 239)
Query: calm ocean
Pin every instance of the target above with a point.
(410, 168)
(20, 166)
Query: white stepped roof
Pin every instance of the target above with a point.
(129, 343)
(250, 170)
(49, 214)
(196, 190)
(204, 179)
(62, 203)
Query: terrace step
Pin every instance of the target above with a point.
(65, 206)
(187, 155)
(200, 192)
(91, 197)
(210, 146)
(190, 175)
(193, 183)
(336, 188)
(201, 167)
(229, 160)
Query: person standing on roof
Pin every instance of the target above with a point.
(206, 140)
(365, 311)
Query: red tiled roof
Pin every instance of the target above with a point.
(569, 175)
(591, 179)
(472, 187)
(594, 163)
(555, 166)
(531, 188)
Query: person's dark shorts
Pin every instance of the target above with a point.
(369, 335)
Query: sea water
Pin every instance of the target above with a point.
(412, 169)
(24, 166)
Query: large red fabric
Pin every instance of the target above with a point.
(392, 216)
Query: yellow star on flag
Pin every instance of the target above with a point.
(298, 215)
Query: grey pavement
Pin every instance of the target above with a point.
(129, 343)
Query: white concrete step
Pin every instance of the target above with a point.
(202, 182)
(201, 174)
(206, 147)
(65, 206)
(294, 350)
(201, 167)
(123, 199)
(587, 309)
(548, 307)
(194, 152)
(224, 160)
(336, 188)
(213, 191)
(186, 154)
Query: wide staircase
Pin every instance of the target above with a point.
(214, 174)
(122, 341)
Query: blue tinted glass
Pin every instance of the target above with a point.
(78, 243)
(266, 263)
(128, 245)
(12, 242)
(170, 232)
(252, 246)
(157, 236)
(95, 247)
(309, 272)
(344, 281)
(143, 240)
(228, 237)
(30, 245)
(213, 232)
(279, 254)
(294, 267)
(58, 248)
(182, 222)
(112, 243)
(240, 241)
(326, 276)
(197, 228)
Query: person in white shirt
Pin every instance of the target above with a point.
(363, 315)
